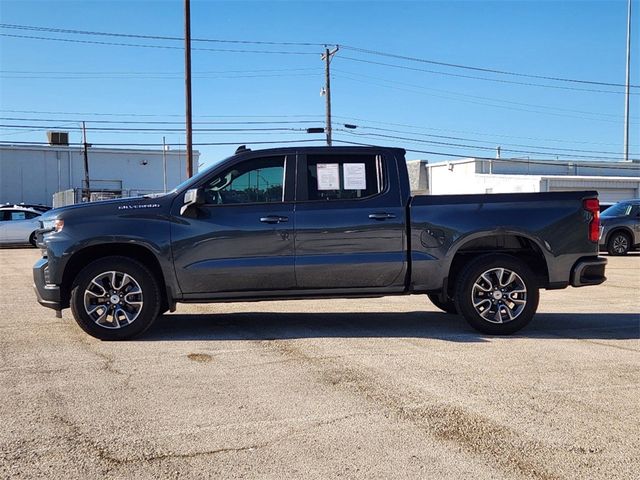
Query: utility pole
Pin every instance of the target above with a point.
(187, 84)
(164, 164)
(87, 187)
(327, 88)
(626, 93)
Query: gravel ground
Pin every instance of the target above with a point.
(375, 388)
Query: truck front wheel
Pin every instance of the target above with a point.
(115, 298)
(497, 294)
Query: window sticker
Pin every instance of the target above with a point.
(355, 177)
(328, 176)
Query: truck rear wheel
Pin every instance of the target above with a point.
(448, 307)
(115, 298)
(497, 294)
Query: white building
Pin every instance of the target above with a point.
(33, 173)
(614, 181)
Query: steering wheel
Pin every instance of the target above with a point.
(225, 182)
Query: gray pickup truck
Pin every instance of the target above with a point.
(314, 222)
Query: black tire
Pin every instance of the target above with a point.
(32, 239)
(502, 300)
(143, 282)
(619, 243)
(448, 307)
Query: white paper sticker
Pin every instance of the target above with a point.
(328, 176)
(355, 177)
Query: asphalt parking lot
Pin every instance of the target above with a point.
(382, 388)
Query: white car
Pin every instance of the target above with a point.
(18, 225)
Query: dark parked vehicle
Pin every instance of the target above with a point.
(314, 222)
(620, 227)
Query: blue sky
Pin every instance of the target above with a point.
(439, 111)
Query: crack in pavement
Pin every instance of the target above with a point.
(78, 437)
(503, 447)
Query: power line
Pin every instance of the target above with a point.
(148, 129)
(130, 114)
(449, 92)
(422, 127)
(157, 145)
(157, 122)
(483, 69)
(170, 47)
(493, 142)
(32, 128)
(152, 37)
(271, 130)
(476, 102)
(470, 147)
(448, 74)
(504, 160)
(296, 116)
(155, 77)
(145, 74)
(367, 51)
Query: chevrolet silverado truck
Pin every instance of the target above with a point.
(290, 223)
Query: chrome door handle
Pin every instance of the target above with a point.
(274, 219)
(381, 216)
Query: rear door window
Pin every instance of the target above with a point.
(343, 177)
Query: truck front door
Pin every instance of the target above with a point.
(241, 239)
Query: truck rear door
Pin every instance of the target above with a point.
(350, 222)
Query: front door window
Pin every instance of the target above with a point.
(259, 180)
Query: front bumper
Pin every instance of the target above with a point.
(48, 294)
(588, 271)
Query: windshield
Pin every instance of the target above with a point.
(196, 177)
(617, 210)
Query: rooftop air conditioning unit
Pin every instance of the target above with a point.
(58, 138)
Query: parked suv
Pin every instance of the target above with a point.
(620, 227)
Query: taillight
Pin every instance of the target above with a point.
(592, 205)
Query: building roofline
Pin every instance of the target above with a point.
(553, 162)
(561, 177)
(75, 148)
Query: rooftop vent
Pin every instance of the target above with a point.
(58, 138)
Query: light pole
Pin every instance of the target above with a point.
(187, 85)
(626, 92)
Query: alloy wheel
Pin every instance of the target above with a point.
(499, 295)
(620, 244)
(113, 299)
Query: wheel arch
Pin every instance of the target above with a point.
(83, 257)
(517, 244)
(619, 228)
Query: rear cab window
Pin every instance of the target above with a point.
(342, 177)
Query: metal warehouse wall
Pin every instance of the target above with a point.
(32, 174)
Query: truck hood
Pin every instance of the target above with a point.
(107, 206)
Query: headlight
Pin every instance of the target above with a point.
(53, 225)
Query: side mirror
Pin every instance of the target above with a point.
(194, 196)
